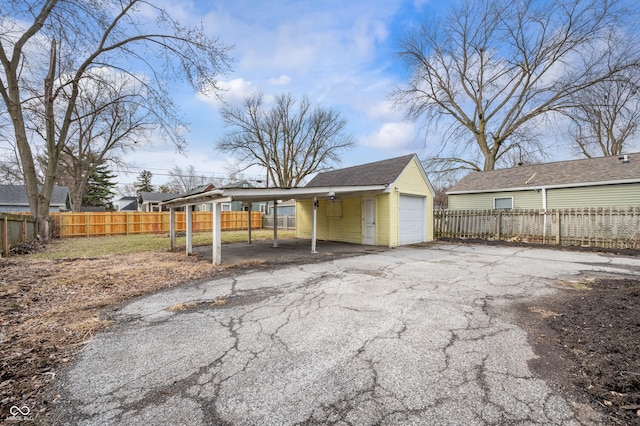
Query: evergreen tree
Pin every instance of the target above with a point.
(143, 184)
(100, 188)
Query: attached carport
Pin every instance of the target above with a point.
(216, 197)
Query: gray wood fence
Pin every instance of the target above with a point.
(602, 227)
(284, 222)
(14, 229)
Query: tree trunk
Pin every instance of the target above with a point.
(53, 152)
(489, 162)
(80, 179)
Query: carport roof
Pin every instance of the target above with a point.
(268, 194)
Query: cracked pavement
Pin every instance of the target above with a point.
(413, 335)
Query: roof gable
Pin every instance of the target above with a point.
(156, 197)
(199, 190)
(16, 195)
(239, 184)
(583, 172)
(383, 172)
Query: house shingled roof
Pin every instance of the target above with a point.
(596, 171)
(16, 195)
(379, 173)
(157, 197)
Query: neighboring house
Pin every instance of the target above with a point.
(233, 206)
(237, 206)
(13, 198)
(150, 201)
(285, 208)
(127, 204)
(401, 214)
(93, 209)
(590, 182)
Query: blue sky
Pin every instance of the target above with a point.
(342, 54)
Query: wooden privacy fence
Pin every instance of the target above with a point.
(126, 223)
(602, 227)
(14, 229)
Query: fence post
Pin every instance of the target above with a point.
(24, 229)
(5, 236)
(107, 223)
(499, 225)
(558, 236)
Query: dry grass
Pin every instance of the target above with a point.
(70, 248)
(581, 285)
(51, 303)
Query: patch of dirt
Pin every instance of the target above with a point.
(587, 338)
(49, 309)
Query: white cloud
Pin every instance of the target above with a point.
(233, 92)
(366, 34)
(397, 135)
(340, 56)
(383, 110)
(283, 80)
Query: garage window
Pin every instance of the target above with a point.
(504, 203)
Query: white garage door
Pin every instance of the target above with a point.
(412, 219)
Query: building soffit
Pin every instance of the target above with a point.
(269, 194)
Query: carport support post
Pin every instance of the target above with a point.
(172, 227)
(216, 212)
(313, 226)
(275, 223)
(188, 209)
(249, 222)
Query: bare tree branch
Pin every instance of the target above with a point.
(493, 68)
(85, 36)
(290, 140)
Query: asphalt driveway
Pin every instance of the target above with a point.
(405, 336)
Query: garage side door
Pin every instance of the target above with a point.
(412, 219)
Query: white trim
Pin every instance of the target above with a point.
(502, 198)
(424, 176)
(314, 225)
(269, 194)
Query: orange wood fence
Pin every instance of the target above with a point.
(126, 223)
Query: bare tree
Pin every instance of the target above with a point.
(183, 181)
(490, 72)
(10, 172)
(109, 117)
(290, 139)
(60, 42)
(606, 117)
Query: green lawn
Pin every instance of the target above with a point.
(101, 246)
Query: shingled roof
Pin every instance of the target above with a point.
(382, 172)
(157, 197)
(16, 195)
(583, 172)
